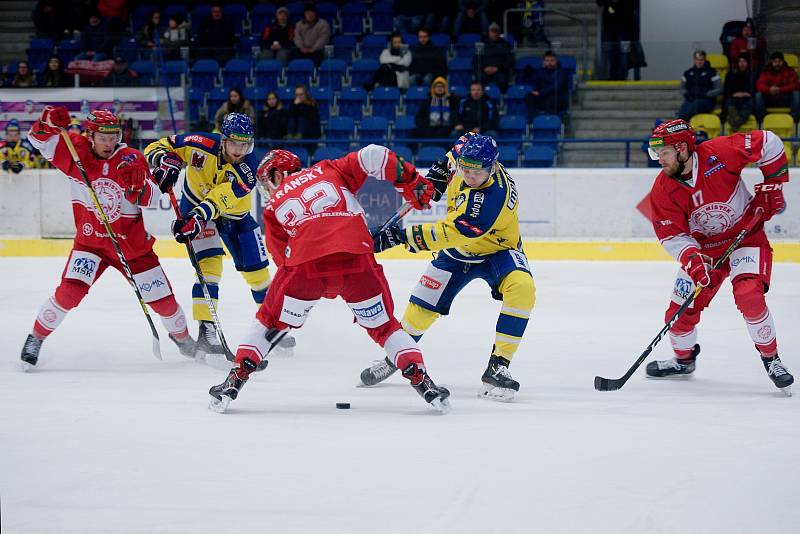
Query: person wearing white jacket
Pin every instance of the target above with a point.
(397, 58)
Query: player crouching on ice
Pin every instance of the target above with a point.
(479, 238)
(318, 237)
(699, 204)
(120, 177)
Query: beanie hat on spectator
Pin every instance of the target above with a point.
(442, 80)
(777, 55)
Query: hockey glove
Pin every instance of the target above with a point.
(6, 165)
(56, 116)
(413, 186)
(697, 265)
(439, 176)
(17, 167)
(769, 197)
(391, 237)
(168, 170)
(185, 230)
(134, 179)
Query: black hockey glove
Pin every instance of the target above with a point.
(439, 175)
(168, 170)
(391, 237)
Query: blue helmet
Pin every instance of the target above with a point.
(237, 127)
(12, 125)
(478, 152)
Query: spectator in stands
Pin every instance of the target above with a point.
(150, 31)
(236, 103)
(311, 35)
(428, 61)
(438, 115)
(175, 36)
(395, 60)
(440, 16)
(777, 87)
(50, 19)
(619, 30)
(496, 64)
(700, 86)
(304, 120)
(273, 121)
(409, 15)
(16, 152)
(54, 75)
(550, 93)
(216, 36)
(471, 17)
(24, 76)
(747, 43)
(121, 75)
(740, 85)
(95, 39)
(277, 39)
(477, 113)
(116, 13)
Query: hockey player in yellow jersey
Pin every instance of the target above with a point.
(215, 209)
(16, 153)
(479, 238)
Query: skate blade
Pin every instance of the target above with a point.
(218, 361)
(787, 390)
(441, 406)
(219, 405)
(282, 351)
(26, 367)
(670, 377)
(497, 394)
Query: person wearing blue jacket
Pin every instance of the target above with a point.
(550, 92)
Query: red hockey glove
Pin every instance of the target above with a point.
(187, 229)
(769, 197)
(414, 187)
(134, 179)
(57, 117)
(697, 266)
(168, 170)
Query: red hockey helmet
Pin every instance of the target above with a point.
(276, 160)
(103, 121)
(671, 133)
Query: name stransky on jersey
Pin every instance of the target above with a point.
(298, 180)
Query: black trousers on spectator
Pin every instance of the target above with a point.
(316, 57)
(536, 105)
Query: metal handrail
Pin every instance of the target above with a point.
(585, 31)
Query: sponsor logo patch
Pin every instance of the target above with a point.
(84, 267)
(683, 288)
(370, 311)
(712, 219)
(429, 282)
(198, 159)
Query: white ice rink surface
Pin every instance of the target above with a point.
(103, 438)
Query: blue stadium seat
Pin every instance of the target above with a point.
(428, 154)
(374, 130)
(301, 152)
(171, 10)
(384, 101)
(381, 16)
(236, 72)
(267, 73)
(372, 46)
(442, 40)
(256, 97)
(460, 70)
(362, 71)
(352, 17)
(513, 128)
(339, 132)
(295, 11)
(236, 13)
(351, 102)
(509, 155)
(39, 50)
(328, 11)
(216, 98)
(324, 97)
(344, 46)
(330, 73)
(493, 92)
(460, 91)
(404, 151)
(529, 63)
(204, 73)
(403, 127)
(197, 102)
(546, 130)
(515, 99)
(146, 72)
(128, 49)
(198, 14)
(327, 152)
(67, 50)
(415, 96)
(465, 44)
(141, 13)
(260, 16)
(246, 44)
(285, 94)
(299, 71)
(171, 74)
(539, 156)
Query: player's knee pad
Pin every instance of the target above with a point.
(70, 293)
(258, 280)
(748, 293)
(417, 320)
(211, 268)
(518, 290)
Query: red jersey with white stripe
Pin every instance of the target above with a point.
(708, 210)
(315, 213)
(125, 218)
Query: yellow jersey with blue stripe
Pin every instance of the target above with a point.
(480, 221)
(21, 151)
(219, 188)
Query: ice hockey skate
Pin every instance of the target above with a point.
(779, 374)
(187, 347)
(378, 372)
(209, 348)
(30, 352)
(673, 368)
(284, 348)
(223, 394)
(436, 396)
(498, 384)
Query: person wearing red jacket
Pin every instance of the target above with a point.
(317, 235)
(122, 181)
(777, 87)
(699, 204)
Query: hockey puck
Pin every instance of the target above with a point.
(343, 405)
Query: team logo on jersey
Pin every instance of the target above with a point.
(84, 267)
(683, 288)
(198, 159)
(109, 193)
(765, 332)
(49, 316)
(87, 229)
(429, 282)
(460, 199)
(712, 219)
(128, 158)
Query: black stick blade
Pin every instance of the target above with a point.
(606, 384)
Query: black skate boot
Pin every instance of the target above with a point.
(223, 394)
(209, 348)
(380, 371)
(30, 352)
(674, 368)
(779, 374)
(187, 347)
(498, 384)
(434, 395)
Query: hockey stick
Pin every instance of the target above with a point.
(128, 273)
(202, 281)
(399, 214)
(613, 384)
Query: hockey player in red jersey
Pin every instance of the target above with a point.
(699, 204)
(123, 183)
(317, 235)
